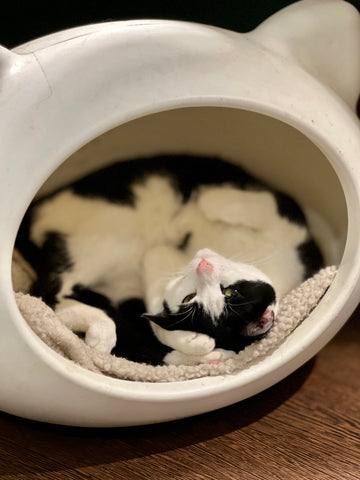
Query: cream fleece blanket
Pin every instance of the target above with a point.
(293, 309)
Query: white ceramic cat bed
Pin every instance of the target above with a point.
(274, 100)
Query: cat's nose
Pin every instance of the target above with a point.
(204, 267)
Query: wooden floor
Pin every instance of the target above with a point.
(306, 427)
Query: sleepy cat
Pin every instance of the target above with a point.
(172, 259)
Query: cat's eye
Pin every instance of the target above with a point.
(228, 291)
(188, 298)
(231, 291)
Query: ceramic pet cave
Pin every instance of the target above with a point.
(280, 99)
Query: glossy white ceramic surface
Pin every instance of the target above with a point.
(272, 98)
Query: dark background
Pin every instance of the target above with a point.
(24, 21)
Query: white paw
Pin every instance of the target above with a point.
(192, 343)
(217, 356)
(213, 358)
(101, 336)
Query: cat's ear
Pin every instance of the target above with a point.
(160, 319)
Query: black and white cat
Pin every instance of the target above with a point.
(168, 260)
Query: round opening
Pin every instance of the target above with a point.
(270, 150)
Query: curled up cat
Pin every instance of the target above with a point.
(174, 259)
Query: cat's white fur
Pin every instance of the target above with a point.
(118, 248)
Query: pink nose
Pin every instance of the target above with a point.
(204, 267)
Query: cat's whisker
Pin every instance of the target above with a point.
(167, 276)
(182, 312)
(181, 319)
(234, 311)
(253, 259)
(264, 261)
(242, 304)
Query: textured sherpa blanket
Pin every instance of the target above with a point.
(293, 309)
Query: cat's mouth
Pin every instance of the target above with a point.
(262, 325)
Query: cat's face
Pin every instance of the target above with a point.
(230, 301)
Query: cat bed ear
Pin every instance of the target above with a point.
(314, 34)
(293, 309)
(252, 209)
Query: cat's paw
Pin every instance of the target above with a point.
(213, 358)
(192, 343)
(217, 356)
(101, 336)
(189, 343)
